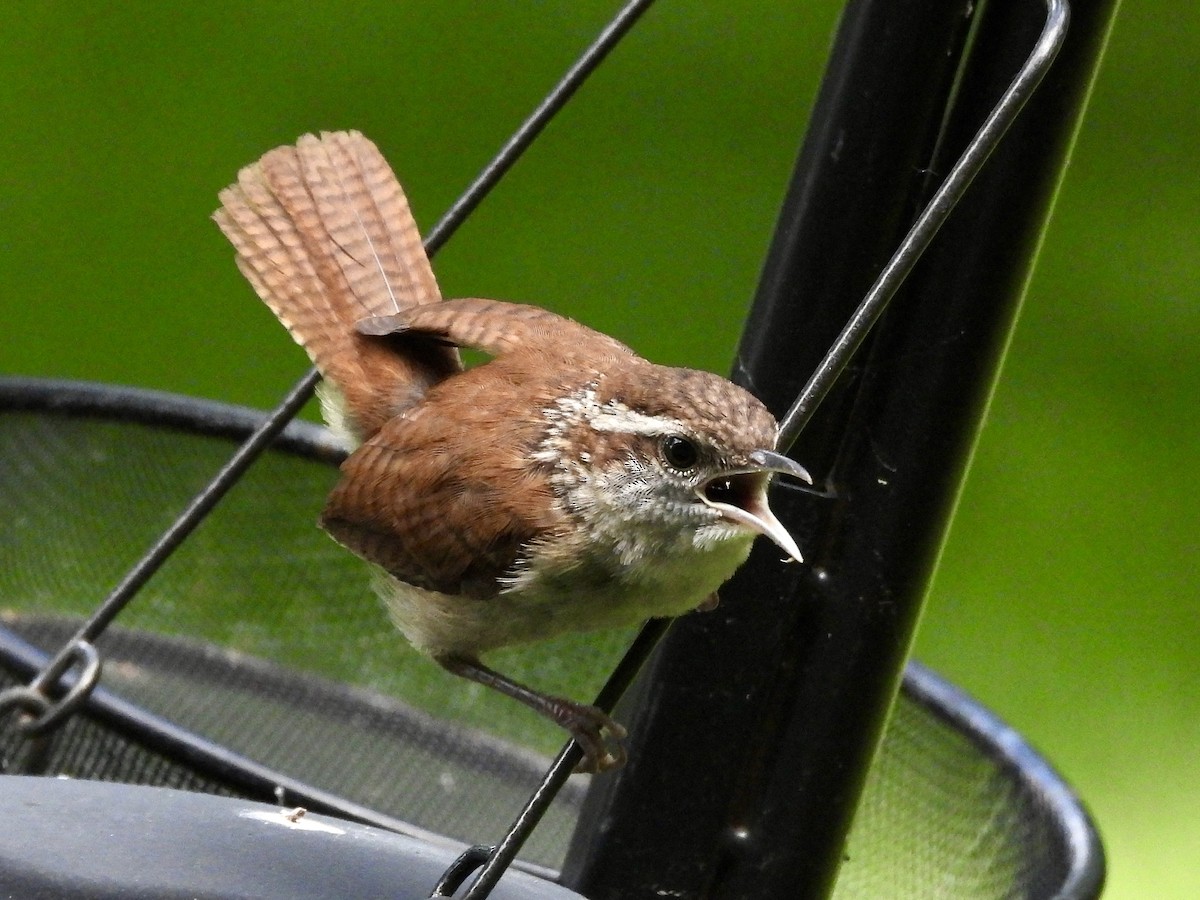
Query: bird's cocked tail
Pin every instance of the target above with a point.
(324, 234)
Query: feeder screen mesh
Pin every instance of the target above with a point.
(262, 636)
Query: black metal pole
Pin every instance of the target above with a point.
(754, 728)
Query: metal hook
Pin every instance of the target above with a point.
(470, 860)
(928, 223)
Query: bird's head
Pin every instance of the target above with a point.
(663, 456)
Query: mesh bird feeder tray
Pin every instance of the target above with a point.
(256, 665)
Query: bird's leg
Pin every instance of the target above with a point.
(586, 724)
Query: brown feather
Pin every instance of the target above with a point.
(452, 501)
(325, 236)
(496, 327)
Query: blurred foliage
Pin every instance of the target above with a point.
(1065, 599)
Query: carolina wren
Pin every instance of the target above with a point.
(566, 484)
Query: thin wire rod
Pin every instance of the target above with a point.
(302, 391)
(560, 770)
(185, 523)
(928, 223)
(575, 76)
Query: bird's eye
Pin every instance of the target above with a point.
(679, 452)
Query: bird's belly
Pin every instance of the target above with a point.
(538, 607)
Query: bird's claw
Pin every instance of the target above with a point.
(598, 736)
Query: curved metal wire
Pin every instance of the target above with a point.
(928, 223)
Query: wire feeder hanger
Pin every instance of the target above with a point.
(65, 683)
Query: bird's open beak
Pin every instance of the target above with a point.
(741, 496)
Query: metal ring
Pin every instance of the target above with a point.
(52, 712)
(456, 873)
(24, 699)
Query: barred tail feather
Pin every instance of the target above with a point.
(324, 234)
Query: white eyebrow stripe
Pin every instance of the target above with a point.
(616, 417)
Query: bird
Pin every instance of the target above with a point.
(564, 484)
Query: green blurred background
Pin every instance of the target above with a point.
(1066, 597)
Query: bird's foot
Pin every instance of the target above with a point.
(597, 735)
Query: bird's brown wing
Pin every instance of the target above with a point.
(446, 503)
(324, 234)
(498, 328)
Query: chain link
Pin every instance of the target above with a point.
(39, 711)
